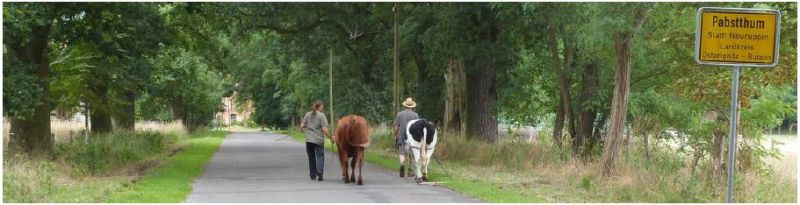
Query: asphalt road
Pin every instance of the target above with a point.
(263, 167)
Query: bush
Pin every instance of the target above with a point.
(105, 151)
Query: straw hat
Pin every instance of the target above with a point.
(409, 103)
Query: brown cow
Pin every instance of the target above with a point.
(352, 138)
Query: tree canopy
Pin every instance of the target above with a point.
(470, 66)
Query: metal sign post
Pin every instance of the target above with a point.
(330, 89)
(732, 145)
(737, 37)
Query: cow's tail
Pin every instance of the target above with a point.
(423, 145)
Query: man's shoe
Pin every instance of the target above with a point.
(319, 178)
(313, 177)
(402, 171)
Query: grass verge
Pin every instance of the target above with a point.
(172, 182)
(118, 167)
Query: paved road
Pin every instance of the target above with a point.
(263, 167)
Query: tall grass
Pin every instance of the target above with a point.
(71, 176)
(28, 181)
(509, 153)
(106, 151)
(175, 127)
(537, 172)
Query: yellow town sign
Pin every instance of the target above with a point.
(728, 36)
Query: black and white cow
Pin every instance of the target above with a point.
(421, 141)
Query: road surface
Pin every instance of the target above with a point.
(262, 167)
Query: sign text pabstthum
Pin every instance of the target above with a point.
(746, 37)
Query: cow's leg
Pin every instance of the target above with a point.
(417, 164)
(353, 167)
(343, 162)
(360, 165)
(429, 154)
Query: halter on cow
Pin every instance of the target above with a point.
(422, 141)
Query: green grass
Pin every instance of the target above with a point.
(171, 183)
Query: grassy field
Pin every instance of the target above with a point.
(514, 171)
(142, 166)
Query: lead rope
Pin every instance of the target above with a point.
(444, 169)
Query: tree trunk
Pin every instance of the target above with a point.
(695, 160)
(188, 122)
(619, 104)
(32, 135)
(558, 127)
(454, 115)
(623, 43)
(127, 119)
(481, 90)
(587, 114)
(100, 116)
(481, 98)
(562, 107)
(565, 81)
(716, 153)
(596, 135)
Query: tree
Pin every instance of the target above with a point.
(124, 47)
(28, 30)
(480, 35)
(102, 60)
(562, 72)
(623, 43)
(191, 87)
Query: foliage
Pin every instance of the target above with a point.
(151, 107)
(22, 88)
(765, 112)
(190, 85)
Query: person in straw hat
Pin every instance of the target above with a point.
(400, 124)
